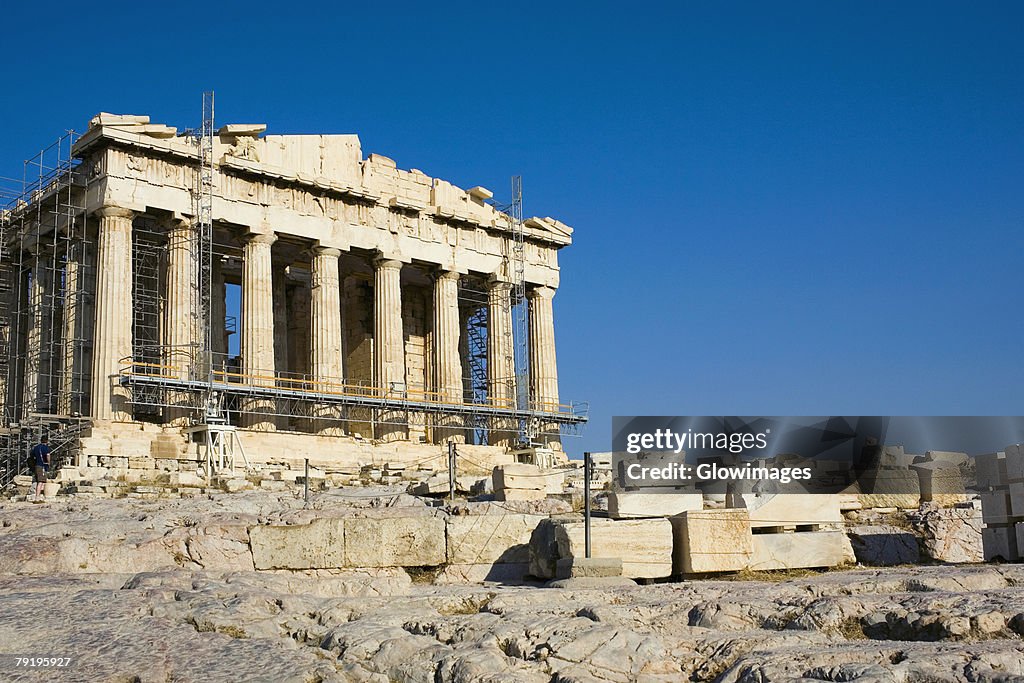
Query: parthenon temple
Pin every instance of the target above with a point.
(173, 292)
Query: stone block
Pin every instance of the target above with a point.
(711, 541)
(940, 482)
(477, 539)
(68, 474)
(801, 550)
(897, 488)
(186, 479)
(395, 541)
(93, 473)
(114, 462)
(995, 506)
(792, 509)
(1014, 463)
(1016, 493)
(1000, 543)
(236, 484)
(952, 458)
(645, 545)
(141, 463)
(167, 465)
(317, 545)
(527, 477)
(990, 469)
(632, 504)
(883, 545)
(580, 567)
(519, 494)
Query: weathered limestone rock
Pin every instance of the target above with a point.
(520, 481)
(711, 541)
(395, 542)
(645, 545)
(588, 567)
(490, 538)
(949, 534)
(792, 509)
(883, 545)
(317, 545)
(801, 550)
(632, 504)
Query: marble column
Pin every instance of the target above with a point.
(447, 360)
(543, 368)
(281, 342)
(325, 338)
(112, 340)
(70, 338)
(180, 331)
(388, 344)
(257, 327)
(501, 373)
(35, 336)
(219, 313)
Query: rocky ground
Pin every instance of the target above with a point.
(172, 607)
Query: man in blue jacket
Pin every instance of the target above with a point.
(41, 460)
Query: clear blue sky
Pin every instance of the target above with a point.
(781, 208)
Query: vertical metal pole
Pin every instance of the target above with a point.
(587, 467)
(451, 471)
(305, 485)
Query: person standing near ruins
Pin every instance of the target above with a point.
(41, 458)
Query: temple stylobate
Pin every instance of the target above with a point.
(326, 301)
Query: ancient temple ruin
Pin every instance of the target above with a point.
(383, 313)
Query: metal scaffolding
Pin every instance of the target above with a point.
(46, 272)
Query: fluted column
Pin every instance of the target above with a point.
(388, 343)
(543, 367)
(501, 372)
(70, 337)
(257, 341)
(35, 345)
(447, 361)
(112, 331)
(180, 331)
(325, 338)
(218, 307)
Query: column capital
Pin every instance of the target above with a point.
(326, 251)
(496, 285)
(179, 219)
(542, 292)
(385, 263)
(115, 212)
(442, 274)
(267, 238)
